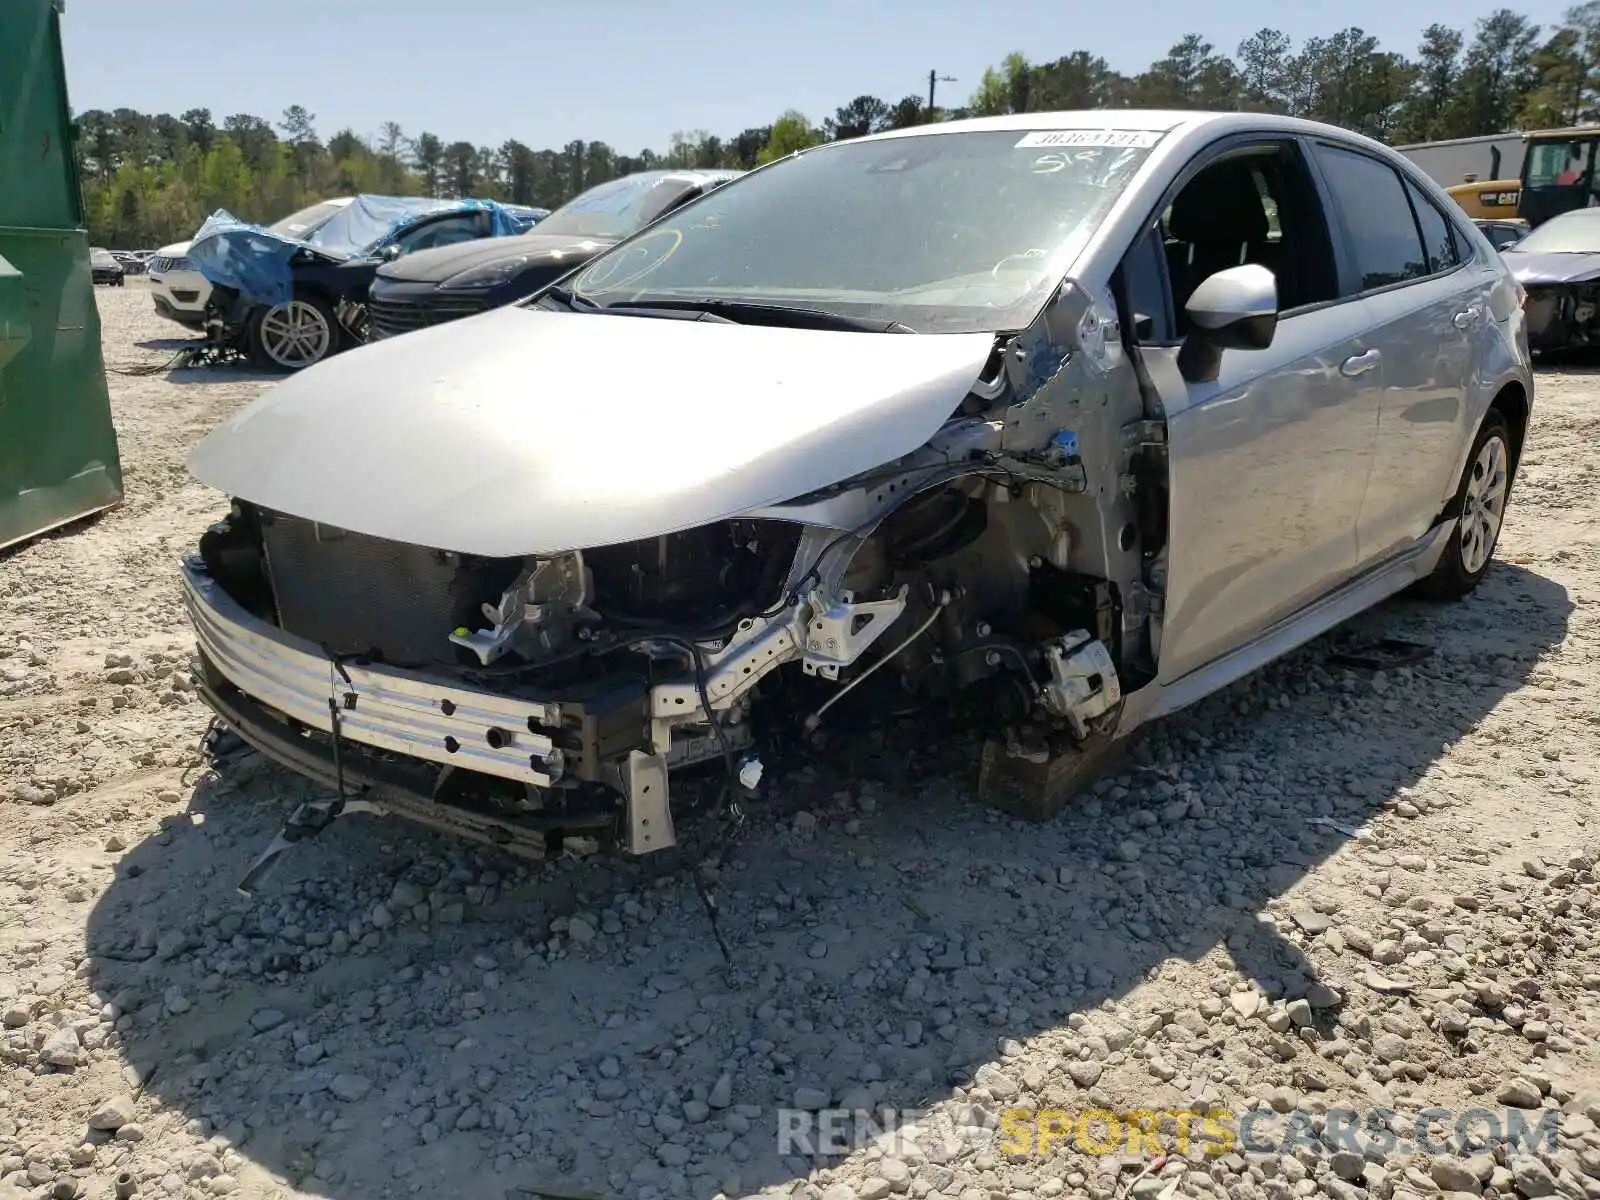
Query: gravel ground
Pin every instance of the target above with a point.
(1327, 889)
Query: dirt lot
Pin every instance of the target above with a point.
(1327, 889)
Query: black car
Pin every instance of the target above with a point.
(104, 268)
(434, 286)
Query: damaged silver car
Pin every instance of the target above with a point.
(1084, 415)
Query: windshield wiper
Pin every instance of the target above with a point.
(570, 299)
(767, 313)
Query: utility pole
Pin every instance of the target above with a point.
(935, 78)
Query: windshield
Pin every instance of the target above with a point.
(1574, 233)
(942, 232)
(298, 224)
(614, 209)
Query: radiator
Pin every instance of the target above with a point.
(359, 595)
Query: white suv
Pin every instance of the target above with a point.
(180, 292)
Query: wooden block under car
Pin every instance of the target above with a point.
(1038, 790)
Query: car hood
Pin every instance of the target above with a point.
(435, 266)
(176, 250)
(1536, 268)
(523, 431)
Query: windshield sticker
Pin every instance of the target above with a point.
(1140, 138)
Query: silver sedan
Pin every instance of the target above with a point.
(1075, 416)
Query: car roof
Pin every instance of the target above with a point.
(689, 174)
(1143, 120)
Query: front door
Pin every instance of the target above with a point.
(1267, 463)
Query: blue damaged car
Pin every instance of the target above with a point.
(290, 302)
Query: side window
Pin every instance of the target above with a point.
(1377, 217)
(446, 231)
(1255, 205)
(1141, 288)
(1438, 239)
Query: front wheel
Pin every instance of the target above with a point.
(293, 335)
(1481, 503)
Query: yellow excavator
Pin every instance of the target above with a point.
(1556, 172)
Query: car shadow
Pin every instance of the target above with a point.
(395, 1011)
(235, 371)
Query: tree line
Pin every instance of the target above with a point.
(152, 179)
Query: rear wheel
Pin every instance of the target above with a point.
(1481, 502)
(293, 335)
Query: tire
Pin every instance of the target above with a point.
(1481, 503)
(295, 335)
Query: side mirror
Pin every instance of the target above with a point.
(1235, 309)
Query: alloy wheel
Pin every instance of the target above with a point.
(295, 334)
(1484, 505)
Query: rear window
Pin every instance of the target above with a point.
(614, 209)
(1438, 239)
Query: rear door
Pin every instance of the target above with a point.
(1427, 298)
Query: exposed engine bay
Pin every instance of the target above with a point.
(1563, 316)
(997, 569)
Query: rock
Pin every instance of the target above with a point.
(672, 1155)
(1532, 1177)
(113, 1114)
(265, 1019)
(1320, 995)
(1347, 1165)
(61, 1049)
(1245, 1004)
(1311, 921)
(349, 1088)
(811, 1099)
(1452, 1175)
(1519, 1093)
(896, 1173)
(406, 895)
(1283, 1100)
(581, 930)
(1386, 985)
(1085, 1073)
(1390, 1047)
(170, 944)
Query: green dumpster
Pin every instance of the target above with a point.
(58, 449)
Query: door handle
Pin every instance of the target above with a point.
(1360, 364)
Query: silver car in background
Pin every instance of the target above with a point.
(1078, 415)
